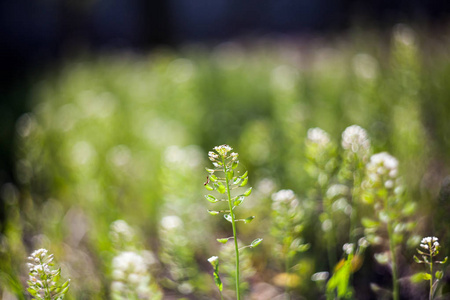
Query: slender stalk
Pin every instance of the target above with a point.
(394, 263)
(286, 266)
(238, 294)
(431, 280)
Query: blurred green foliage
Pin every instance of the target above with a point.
(126, 137)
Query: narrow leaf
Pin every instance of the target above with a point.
(248, 192)
(238, 201)
(211, 198)
(244, 182)
(249, 219)
(256, 242)
(417, 260)
(223, 241)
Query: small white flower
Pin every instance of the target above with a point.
(223, 149)
(355, 138)
(171, 222)
(363, 243)
(213, 260)
(320, 276)
(348, 248)
(318, 136)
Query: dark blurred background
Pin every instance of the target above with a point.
(36, 34)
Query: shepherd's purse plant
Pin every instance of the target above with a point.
(429, 249)
(44, 281)
(224, 179)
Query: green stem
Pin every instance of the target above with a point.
(394, 262)
(431, 273)
(286, 266)
(238, 293)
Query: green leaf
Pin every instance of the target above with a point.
(211, 198)
(244, 182)
(444, 261)
(303, 248)
(238, 201)
(249, 219)
(244, 175)
(213, 178)
(32, 292)
(230, 175)
(426, 276)
(208, 187)
(417, 278)
(220, 188)
(369, 223)
(439, 274)
(223, 241)
(228, 217)
(256, 242)
(234, 165)
(248, 192)
(213, 212)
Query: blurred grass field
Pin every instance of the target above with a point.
(125, 137)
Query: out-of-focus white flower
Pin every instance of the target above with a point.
(283, 198)
(348, 248)
(363, 243)
(318, 136)
(355, 139)
(383, 168)
(320, 276)
(171, 222)
(130, 275)
(337, 190)
(213, 260)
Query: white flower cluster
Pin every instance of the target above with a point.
(222, 152)
(121, 232)
(283, 198)
(383, 168)
(348, 248)
(355, 139)
(337, 190)
(171, 222)
(223, 149)
(430, 243)
(318, 136)
(43, 280)
(130, 275)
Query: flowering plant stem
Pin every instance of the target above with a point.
(394, 262)
(233, 224)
